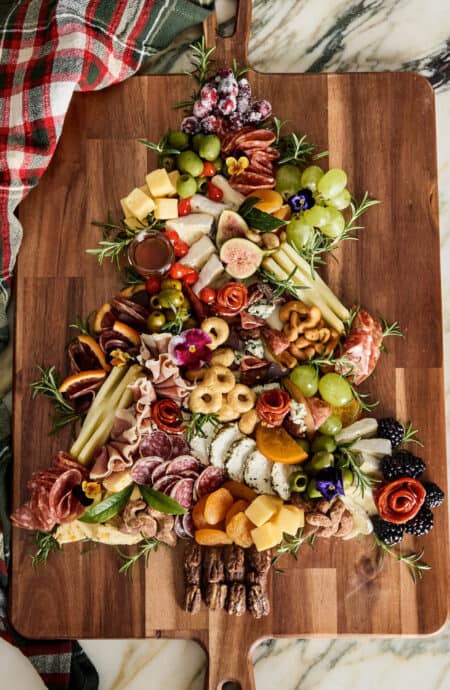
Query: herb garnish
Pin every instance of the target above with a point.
(48, 386)
(282, 285)
(129, 560)
(392, 329)
(416, 567)
(202, 66)
(347, 459)
(159, 501)
(117, 237)
(46, 544)
(195, 425)
(291, 545)
(408, 435)
(83, 326)
(108, 508)
(259, 220)
(161, 148)
(132, 277)
(294, 149)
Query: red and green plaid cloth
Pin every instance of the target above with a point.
(49, 49)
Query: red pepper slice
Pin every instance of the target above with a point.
(214, 193)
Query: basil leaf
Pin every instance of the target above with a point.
(161, 502)
(259, 220)
(247, 205)
(105, 510)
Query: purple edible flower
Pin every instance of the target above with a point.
(329, 482)
(301, 201)
(190, 348)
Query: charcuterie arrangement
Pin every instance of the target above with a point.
(215, 398)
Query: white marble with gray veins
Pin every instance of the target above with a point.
(299, 36)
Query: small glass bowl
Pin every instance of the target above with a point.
(158, 244)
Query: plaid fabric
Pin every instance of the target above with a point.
(49, 49)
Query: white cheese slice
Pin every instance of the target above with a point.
(280, 478)
(191, 228)
(159, 183)
(237, 458)
(258, 473)
(222, 443)
(106, 534)
(200, 445)
(210, 272)
(166, 208)
(201, 204)
(199, 253)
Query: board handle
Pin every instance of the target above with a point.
(229, 661)
(235, 46)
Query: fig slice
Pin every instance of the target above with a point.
(241, 257)
(230, 225)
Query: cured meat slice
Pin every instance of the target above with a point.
(183, 463)
(62, 502)
(160, 471)
(165, 484)
(182, 492)
(179, 528)
(188, 525)
(361, 349)
(210, 479)
(142, 470)
(179, 446)
(157, 443)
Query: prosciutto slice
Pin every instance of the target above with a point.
(361, 349)
(166, 378)
(113, 457)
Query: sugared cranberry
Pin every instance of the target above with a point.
(227, 106)
(210, 124)
(201, 110)
(190, 125)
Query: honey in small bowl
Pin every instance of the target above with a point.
(151, 253)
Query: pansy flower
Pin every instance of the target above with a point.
(119, 358)
(190, 348)
(301, 201)
(236, 166)
(329, 483)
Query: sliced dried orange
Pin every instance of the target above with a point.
(132, 290)
(270, 202)
(217, 505)
(283, 213)
(93, 345)
(212, 537)
(104, 318)
(278, 446)
(238, 507)
(73, 383)
(348, 413)
(128, 332)
(238, 490)
(239, 530)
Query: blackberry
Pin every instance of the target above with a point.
(387, 532)
(421, 524)
(435, 496)
(402, 464)
(391, 429)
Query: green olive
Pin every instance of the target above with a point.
(170, 298)
(171, 284)
(155, 302)
(347, 478)
(156, 321)
(311, 490)
(319, 461)
(323, 442)
(180, 313)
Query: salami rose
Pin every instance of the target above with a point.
(231, 299)
(400, 500)
(167, 415)
(273, 406)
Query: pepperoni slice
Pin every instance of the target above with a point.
(400, 500)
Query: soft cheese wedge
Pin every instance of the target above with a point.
(199, 253)
(191, 228)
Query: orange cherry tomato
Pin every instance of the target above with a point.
(172, 236)
(207, 295)
(179, 271)
(180, 248)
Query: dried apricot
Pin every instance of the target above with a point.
(217, 505)
(212, 537)
(198, 513)
(238, 490)
(238, 506)
(239, 530)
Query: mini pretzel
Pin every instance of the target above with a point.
(227, 413)
(248, 422)
(205, 400)
(287, 359)
(241, 398)
(301, 351)
(221, 378)
(299, 326)
(196, 375)
(223, 356)
(217, 329)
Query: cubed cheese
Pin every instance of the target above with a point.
(173, 177)
(191, 228)
(266, 536)
(160, 184)
(210, 272)
(126, 211)
(199, 253)
(145, 189)
(289, 519)
(139, 204)
(263, 508)
(134, 223)
(118, 481)
(166, 208)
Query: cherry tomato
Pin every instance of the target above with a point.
(180, 248)
(179, 271)
(184, 206)
(214, 193)
(153, 285)
(191, 277)
(209, 169)
(207, 295)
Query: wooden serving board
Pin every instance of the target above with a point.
(381, 129)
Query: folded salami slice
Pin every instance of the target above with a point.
(142, 470)
(210, 479)
(160, 471)
(182, 492)
(188, 525)
(165, 484)
(179, 446)
(183, 463)
(179, 528)
(157, 443)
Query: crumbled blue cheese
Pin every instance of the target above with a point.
(262, 309)
(265, 387)
(238, 356)
(298, 414)
(255, 347)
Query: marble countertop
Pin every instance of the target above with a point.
(299, 36)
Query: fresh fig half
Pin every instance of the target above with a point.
(230, 225)
(241, 257)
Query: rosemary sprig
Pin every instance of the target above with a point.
(83, 326)
(361, 399)
(277, 126)
(239, 71)
(409, 434)
(175, 326)
(129, 560)
(201, 62)
(357, 211)
(132, 277)
(413, 561)
(116, 238)
(295, 149)
(282, 285)
(161, 148)
(46, 544)
(197, 422)
(348, 459)
(291, 545)
(389, 329)
(348, 323)
(47, 386)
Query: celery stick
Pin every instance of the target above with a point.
(328, 295)
(121, 399)
(96, 409)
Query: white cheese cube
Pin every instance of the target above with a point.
(199, 253)
(139, 204)
(125, 209)
(145, 189)
(173, 177)
(118, 481)
(191, 228)
(166, 208)
(159, 184)
(210, 272)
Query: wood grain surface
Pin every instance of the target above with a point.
(381, 129)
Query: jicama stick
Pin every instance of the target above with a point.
(95, 430)
(328, 295)
(282, 268)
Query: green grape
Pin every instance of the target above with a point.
(189, 162)
(306, 378)
(331, 426)
(311, 176)
(178, 140)
(335, 390)
(287, 180)
(209, 148)
(320, 461)
(322, 442)
(340, 201)
(347, 478)
(298, 232)
(335, 225)
(317, 216)
(196, 140)
(332, 183)
(186, 186)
